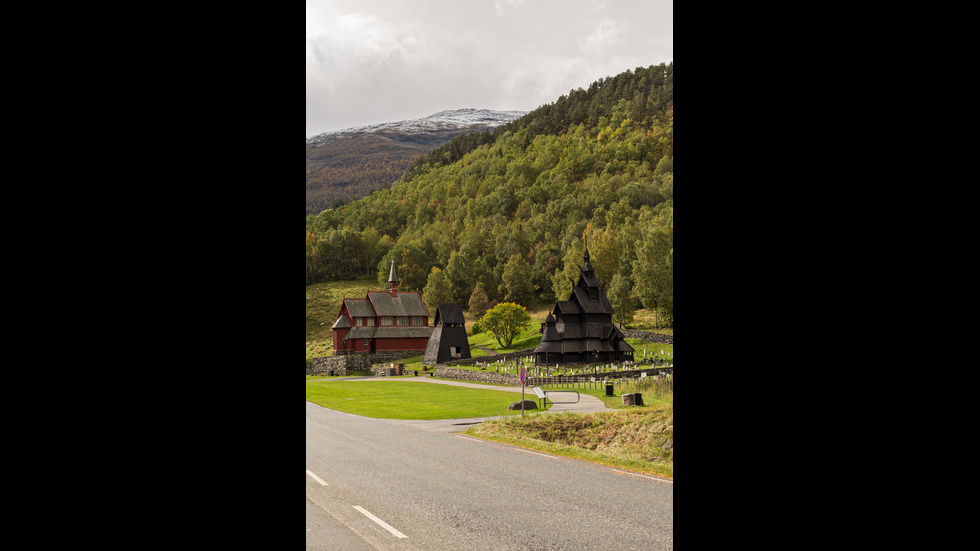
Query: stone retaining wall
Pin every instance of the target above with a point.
(491, 377)
(648, 336)
(345, 364)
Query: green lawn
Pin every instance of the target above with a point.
(529, 338)
(401, 399)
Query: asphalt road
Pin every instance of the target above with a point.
(382, 484)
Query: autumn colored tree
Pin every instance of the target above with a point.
(603, 252)
(479, 303)
(563, 280)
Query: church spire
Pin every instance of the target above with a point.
(392, 279)
(587, 266)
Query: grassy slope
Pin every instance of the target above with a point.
(632, 439)
(635, 438)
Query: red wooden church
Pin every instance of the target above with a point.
(382, 321)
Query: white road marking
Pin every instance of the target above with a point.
(536, 453)
(645, 476)
(470, 439)
(315, 477)
(380, 522)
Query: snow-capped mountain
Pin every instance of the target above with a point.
(453, 118)
(348, 164)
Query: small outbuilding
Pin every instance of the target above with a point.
(448, 341)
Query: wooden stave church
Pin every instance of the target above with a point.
(382, 321)
(580, 329)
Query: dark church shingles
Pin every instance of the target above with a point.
(580, 329)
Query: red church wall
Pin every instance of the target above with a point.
(401, 344)
(338, 339)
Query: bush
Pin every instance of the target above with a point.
(476, 328)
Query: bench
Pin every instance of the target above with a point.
(543, 396)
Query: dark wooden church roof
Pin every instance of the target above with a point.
(359, 307)
(403, 304)
(449, 313)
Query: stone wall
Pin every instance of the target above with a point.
(347, 363)
(648, 336)
(491, 377)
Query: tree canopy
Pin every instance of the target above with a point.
(505, 321)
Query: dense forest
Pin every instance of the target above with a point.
(511, 211)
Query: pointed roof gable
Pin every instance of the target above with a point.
(359, 308)
(449, 313)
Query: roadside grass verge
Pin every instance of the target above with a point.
(638, 439)
(400, 399)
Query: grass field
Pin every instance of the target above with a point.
(394, 399)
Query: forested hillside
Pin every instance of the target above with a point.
(344, 169)
(510, 211)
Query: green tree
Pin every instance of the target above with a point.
(479, 303)
(411, 274)
(620, 291)
(516, 286)
(311, 268)
(603, 253)
(436, 290)
(505, 321)
(460, 274)
(653, 269)
(563, 280)
(411, 266)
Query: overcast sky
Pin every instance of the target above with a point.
(374, 61)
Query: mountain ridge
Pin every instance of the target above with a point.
(449, 118)
(349, 164)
